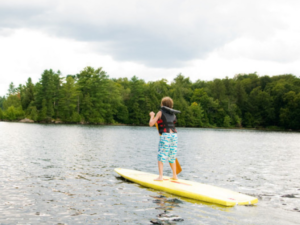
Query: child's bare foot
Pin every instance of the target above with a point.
(159, 179)
(174, 178)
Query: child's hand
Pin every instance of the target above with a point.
(151, 114)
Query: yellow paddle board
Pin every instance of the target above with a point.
(188, 189)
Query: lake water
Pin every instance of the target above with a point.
(64, 174)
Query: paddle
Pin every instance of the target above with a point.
(178, 167)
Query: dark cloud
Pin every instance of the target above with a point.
(137, 44)
(14, 16)
(171, 48)
(159, 37)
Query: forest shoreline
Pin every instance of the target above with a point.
(134, 125)
(244, 101)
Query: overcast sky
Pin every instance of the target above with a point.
(150, 39)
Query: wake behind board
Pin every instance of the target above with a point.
(188, 189)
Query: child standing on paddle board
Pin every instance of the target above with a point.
(166, 120)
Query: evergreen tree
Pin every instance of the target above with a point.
(136, 103)
(196, 115)
(227, 121)
(289, 115)
(68, 101)
(34, 113)
(11, 113)
(94, 85)
(1, 114)
(12, 100)
(2, 99)
(12, 90)
(247, 100)
(218, 89)
(48, 89)
(28, 96)
(43, 112)
(241, 96)
(261, 107)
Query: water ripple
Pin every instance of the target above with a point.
(64, 174)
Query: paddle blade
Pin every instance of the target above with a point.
(178, 167)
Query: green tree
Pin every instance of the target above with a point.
(196, 115)
(227, 121)
(218, 89)
(68, 101)
(248, 120)
(12, 90)
(12, 100)
(43, 112)
(34, 113)
(2, 99)
(181, 92)
(154, 92)
(181, 88)
(241, 97)
(48, 89)
(115, 103)
(219, 117)
(264, 81)
(14, 114)
(136, 102)
(290, 114)
(94, 88)
(229, 87)
(11, 113)
(1, 114)
(90, 96)
(209, 105)
(261, 107)
(122, 114)
(237, 121)
(249, 81)
(86, 107)
(27, 96)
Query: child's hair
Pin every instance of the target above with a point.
(167, 101)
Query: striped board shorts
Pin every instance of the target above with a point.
(167, 147)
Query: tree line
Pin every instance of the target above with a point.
(91, 97)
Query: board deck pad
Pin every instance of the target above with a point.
(188, 189)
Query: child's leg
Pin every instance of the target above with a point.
(163, 150)
(172, 154)
(160, 169)
(173, 167)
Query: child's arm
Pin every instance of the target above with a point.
(153, 119)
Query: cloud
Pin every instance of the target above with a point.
(27, 53)
(16, 13)
(150, 39)
(164, 34)
(273, 49)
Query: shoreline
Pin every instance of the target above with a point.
(133, 125)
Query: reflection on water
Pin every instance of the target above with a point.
(64, 174)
